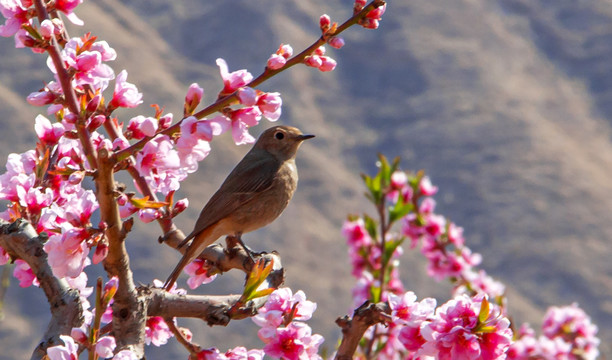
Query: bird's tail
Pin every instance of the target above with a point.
(177, 271)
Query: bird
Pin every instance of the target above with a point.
(253, 195)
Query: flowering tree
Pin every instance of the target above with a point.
(49, 234)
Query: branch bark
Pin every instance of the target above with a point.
(366, 315)
(21, 241)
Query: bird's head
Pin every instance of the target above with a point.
(281, 141)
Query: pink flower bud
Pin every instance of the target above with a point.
(327, 63)
(95, 122)
(336, 42)
(324, 22)
(165, 121)
(76, 177)
(148, 215)
(47, 28)
(276, 61)
(285, 50)
(41, 98)
(320, 51)
(377, 13)
(359, 5)
(70, 118)
(110, 288)
(193, 98)
(100, 253)
(122, 199)
(313, 60)
(180, 206)
(94, 103)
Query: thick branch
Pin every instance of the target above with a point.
(21, 241)
(353, 329)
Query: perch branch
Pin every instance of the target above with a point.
(21, 241)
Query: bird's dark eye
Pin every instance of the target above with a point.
(279, 135)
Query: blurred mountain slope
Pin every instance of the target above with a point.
(504, 104)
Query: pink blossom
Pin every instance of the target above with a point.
(24, 274)
(247, 96)
(33, 199)
(125, 355)
(157, 331)
(197, 271)
(242, 119)
(574, 326)
(234, 80)
(412, 315)
(457, 333)
(211, 354)
(126, 94)
(141, 127)
(276, 62)
(292, 342)
(165, 121)
(270, 105)
(87, 64)
(79, 207)
(15, 14)
(79, 334)
(48, 133)
(68, 351)
(67, 253)
(107, 52)
(426, 188)
(105, 346)
(280, 304)
(241, 353)
(159, 163)
(356, 234)
(480, 282)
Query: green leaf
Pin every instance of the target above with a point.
(400, 209)
(484, 311)
(371, 226)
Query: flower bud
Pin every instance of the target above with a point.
(324, 22)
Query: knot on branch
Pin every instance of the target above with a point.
(364, 316)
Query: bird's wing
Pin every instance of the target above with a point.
(251, 176)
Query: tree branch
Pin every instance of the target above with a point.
(366, 315)
(21, 241)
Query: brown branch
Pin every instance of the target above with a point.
(128, 307)
(366, 315)
(66, 83)
(21, 241)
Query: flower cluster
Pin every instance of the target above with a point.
(567, 333)
(469, 326)
(282, 328)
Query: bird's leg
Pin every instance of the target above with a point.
(246, 248)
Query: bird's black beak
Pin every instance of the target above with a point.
(305, 137)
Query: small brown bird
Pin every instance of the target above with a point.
(254, 194)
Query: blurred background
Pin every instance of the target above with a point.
(506, 104)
